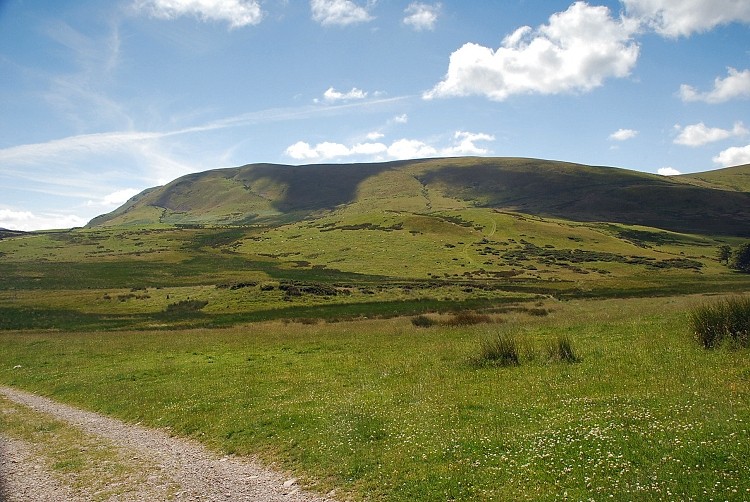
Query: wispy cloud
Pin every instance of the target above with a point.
(672, 18)
(26, 220)
(237, 13)
(332, 95)
(339, 12)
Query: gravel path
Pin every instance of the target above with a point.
(181, 470)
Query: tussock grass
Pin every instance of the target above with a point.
(726, 321)
(500, 349)
(561, 349)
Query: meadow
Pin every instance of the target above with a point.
(385, 410)
(347, 335)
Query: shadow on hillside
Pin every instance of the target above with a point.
(313, 188)
(584, 193)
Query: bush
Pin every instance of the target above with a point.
(725, 321)
(501, 349)
(469, 319)
(422, 321)
(186, 306)
(561, 349)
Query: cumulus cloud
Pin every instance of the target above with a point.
(735, 156)
(327, 150)
(735, 85)
(575, 52)
(375, 135)
(237, 13)
(332, 95)
(338, 12)
(668, 171)
(421, 16)
(464, 143)
(400, 119)
(699, 134)
(623, 134)
(674, 18)
(27, 221)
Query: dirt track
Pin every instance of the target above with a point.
(177, 469)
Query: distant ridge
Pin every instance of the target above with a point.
(272, 194)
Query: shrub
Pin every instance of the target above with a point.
(741, 258)
(561, 349)
(723, 321)
(186, 306)
(501, 349)
(469, 319)
(422, 321)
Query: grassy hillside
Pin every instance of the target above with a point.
(274, 194)
(731, 178)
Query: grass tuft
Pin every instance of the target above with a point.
(561, 349)
(725, 321)
(501, 349)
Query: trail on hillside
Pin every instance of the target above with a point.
(180, 469)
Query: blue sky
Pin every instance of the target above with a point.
(101, 99)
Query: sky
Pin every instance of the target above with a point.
(100, 99)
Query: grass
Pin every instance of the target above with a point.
(723, 322)
(384, 410)
(501, 349)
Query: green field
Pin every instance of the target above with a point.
(384, 410)
(331, 320)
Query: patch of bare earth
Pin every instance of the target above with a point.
(143, 464)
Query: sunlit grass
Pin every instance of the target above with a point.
(384, 410)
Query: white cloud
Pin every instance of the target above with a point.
(27, 221)
(575, 52)
(421, 16)
(375, 135)
(699, 134)
(328, 150)
(237, 13)
(401, 119)
(623, 134)
(338, 12)
(735, 156)
(668, 171)
(332, 95)
(115, 198)
(674, 18)
(735, 85)
(410, 149)
(466, 144)
(301, 150)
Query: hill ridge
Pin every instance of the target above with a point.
(274, 194)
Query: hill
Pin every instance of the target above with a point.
(730, 178)
(710, 203)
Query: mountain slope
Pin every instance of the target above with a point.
(276, 194)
